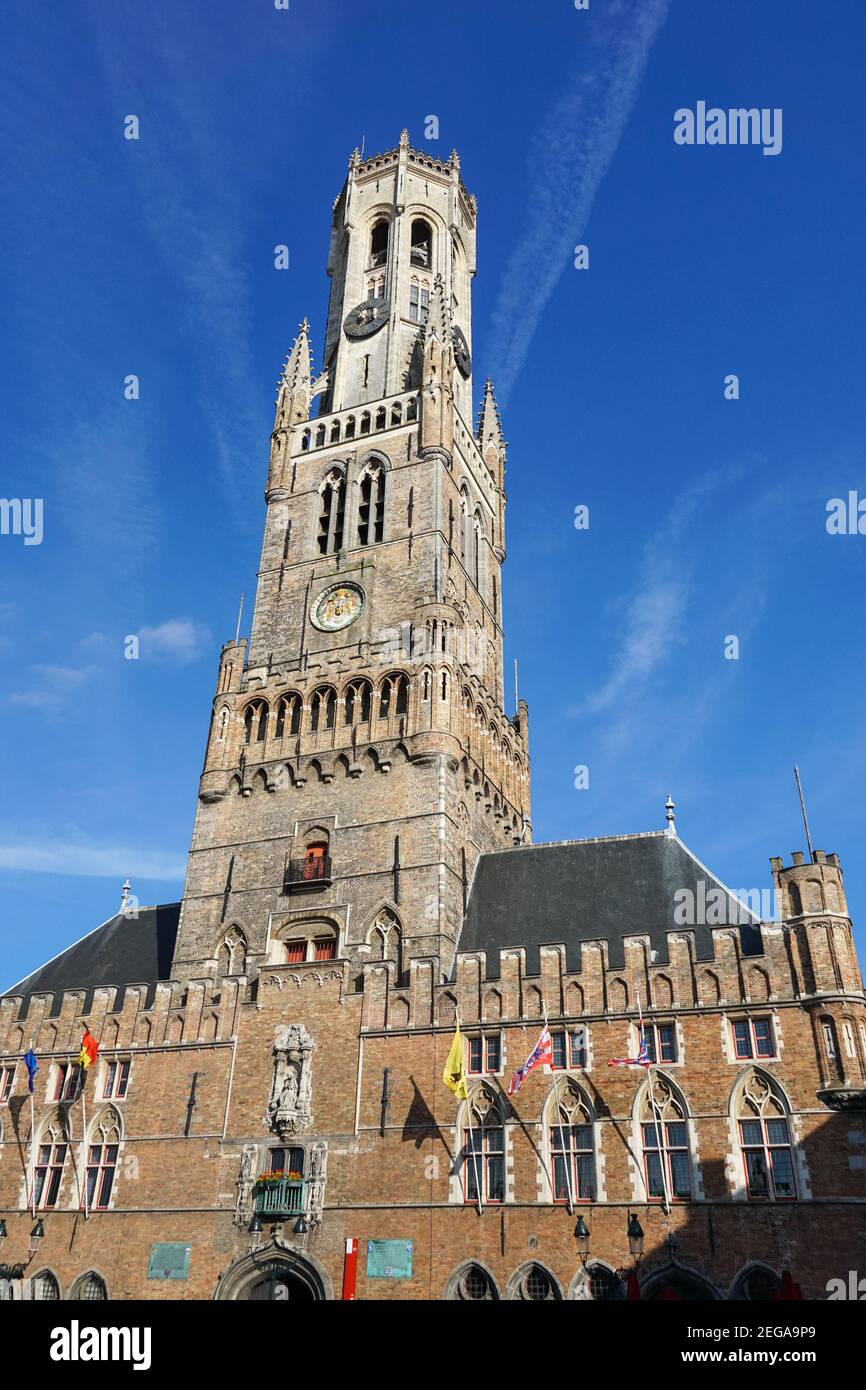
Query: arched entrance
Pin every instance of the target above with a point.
(276, 1274)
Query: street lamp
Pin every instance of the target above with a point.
(2, 1230)
(35, 1236)
(634, 1230)
(300, 1227)
(581, 1232)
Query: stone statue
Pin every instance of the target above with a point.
(290, 1106)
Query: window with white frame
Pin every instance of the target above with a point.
(572, 1151)
(665, 1138)
(765, 1140)
(568, 1047)
(7, 1081)
(50, 1162)
(483, 1148)
(483, 1053)
(66, 1081)
(848, 1035)
(419, 301)
(116, 1079)
(102, 1160)
(829, 1038)
(753, 1037)
(661, 1041)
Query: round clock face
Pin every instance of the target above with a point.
(366, 319)
(461, 352)
(337, 607)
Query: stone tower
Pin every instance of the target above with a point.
(360, 757)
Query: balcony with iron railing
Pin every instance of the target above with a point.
(300, 875)
(279, 1199)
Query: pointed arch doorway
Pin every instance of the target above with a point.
(276, 1275)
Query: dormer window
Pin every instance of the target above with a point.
(422, 244)
(379, 242)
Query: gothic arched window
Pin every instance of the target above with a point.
(332, 512)
(289, 715)
(255, 722)
(393, 695)
(665, 1137)
(386, 938)
(483, 1148)
(535, 1285)
(232, 954)
(323, 709)
(765, 1140)
(472, 1284)
(572, 1151)
(379, 242)
(477, 549)
(50, 1161)
(421, 252)
(371, 508)
(102, 1159)
(358, 702)
(45, 1287)
(90, 1288)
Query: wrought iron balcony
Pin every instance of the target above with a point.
(301, 874)
(277, 1200)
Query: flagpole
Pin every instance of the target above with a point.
(658, 1124)
(567, 1155)
(84, 1141)
(471, 1135)
(32, 1140)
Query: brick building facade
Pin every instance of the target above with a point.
(362, 874)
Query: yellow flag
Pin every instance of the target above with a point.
(454, 1074)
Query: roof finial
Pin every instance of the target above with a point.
(670, 816)
(124, 895)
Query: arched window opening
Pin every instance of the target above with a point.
(335, 432)
(365, 422)
(474, 1285)
(396, 414)
(605, 1285)
(289, 715)
(379, 242)
(386, 939)
(419, 300)
(765, 1140)
(483, 1148)
(421, 252)
(758, 1284)
(255, 722)
(571, 1145)
(232, 954)
(425, 685)
(316, 860)
(45, 1287)
(536, 1285)
(332, 513)
(381, 418)
(90, 1289)
(371, 510)
(320, 436)
(102, 1160)
(477, 533)
(411, 410)
(50, 1162)
(350, 427)
(664, 1131)
(443, 688)
(323, 709)
(359, 702)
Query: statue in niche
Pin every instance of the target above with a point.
(290, 1105)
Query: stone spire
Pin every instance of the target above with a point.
(490, 438)
(294, 390)
(670, 816)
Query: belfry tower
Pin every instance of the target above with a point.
(360, 757)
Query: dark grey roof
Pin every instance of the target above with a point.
(588, 890)
(123, 951)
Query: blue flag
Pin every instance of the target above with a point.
(32, 1066)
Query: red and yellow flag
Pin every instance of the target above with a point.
(89, 1049)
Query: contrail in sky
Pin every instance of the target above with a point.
(569, 156)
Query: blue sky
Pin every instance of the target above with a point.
(707, 516)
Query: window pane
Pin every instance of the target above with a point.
(559, 1138)
(756, 1173)
(783, 1172)
(560, 1178)
(650, 1137)
(654, 1175)
(668, 1042)
(124, 1079)
(558, 1041)
(474, 1054)
(493, 1054)
(106, 1186)
(742, 1039)
(750, 1131)
(53, 1187)
(777, 1132)
(582, 1136)
(585, 1177)
(677, 1135)
(496, 1179)
(578, 1048)
(681, 1178)
(109, 1079)
(763, 1037)
(649, 1036)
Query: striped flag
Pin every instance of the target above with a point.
(542, 1052)
(642, 1059)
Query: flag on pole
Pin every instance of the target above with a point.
(454, 1074)
(542, 1052)
(642, 1059)
(32, 1066)
(89, 1049)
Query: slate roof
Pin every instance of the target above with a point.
(586, 890)
(123, 951)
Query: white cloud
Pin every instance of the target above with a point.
(83, 860)
(177, 639)
(51, 687)
(569, 155)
